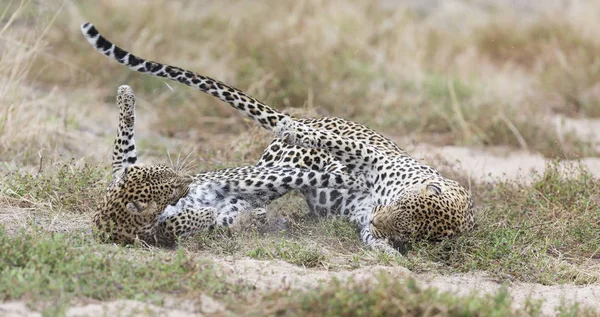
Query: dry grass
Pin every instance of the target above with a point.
(497, 78)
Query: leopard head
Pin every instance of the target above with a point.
(434, 209)
(135, 200)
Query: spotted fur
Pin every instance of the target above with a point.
(156, 204)
(412, 197)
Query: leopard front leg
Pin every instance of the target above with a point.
(361, 215)
(377, 244)
(124, 149)
(174, 224)
(230, 208)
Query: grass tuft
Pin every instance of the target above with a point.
(62, 186)
(289, 251)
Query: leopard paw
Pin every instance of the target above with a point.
(284, 130)
(385, 247)
(295, 133)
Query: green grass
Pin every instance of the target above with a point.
(40, 266)
(385, 297)
(289, 251)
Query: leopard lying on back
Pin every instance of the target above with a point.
(157, 205)
(404, 199)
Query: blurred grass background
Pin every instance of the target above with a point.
(473, 73)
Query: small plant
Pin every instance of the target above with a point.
(59, 187)
(289, 251)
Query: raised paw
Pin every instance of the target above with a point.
(126, 102)
(285, 130)
(295, 133)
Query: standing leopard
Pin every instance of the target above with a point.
(157, 204)
(404, 198)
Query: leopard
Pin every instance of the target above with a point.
(403, 199)
(158, 204)
(407, 199)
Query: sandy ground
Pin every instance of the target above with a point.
(493, 164)
(497, 163)
(279, 275)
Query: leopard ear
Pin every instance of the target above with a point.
(432, 189)
(184, 181)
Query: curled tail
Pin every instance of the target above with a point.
(264, 115)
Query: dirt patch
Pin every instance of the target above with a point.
(493, 164)
(171, 308)
(279, 275)
(126, 308)
(479, 283)
(17, 309)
